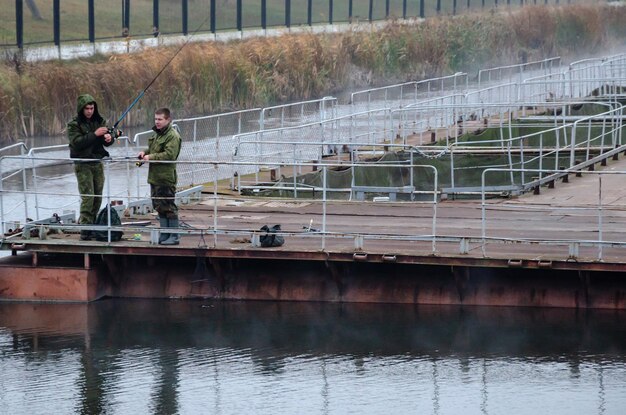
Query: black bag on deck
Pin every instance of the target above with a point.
(102, 220)
(270, 238)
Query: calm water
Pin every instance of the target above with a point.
(189, 357)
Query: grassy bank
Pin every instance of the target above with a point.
(39, 98)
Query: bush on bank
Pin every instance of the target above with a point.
(39, 98)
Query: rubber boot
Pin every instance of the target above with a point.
(163, 223)
(173, 237)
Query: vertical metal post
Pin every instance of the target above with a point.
(287, 14)
(435, 202)
(572, 143)
(185, 16)
(264, 14)
(454, 7)
(421, 9)
(92, 20)
(212, 10)
(330, 11)
(439, 6)
(239, 15)
(24, 182)
(35, 191)
(309, 12)
(155, 17)
(215, 205)
(324, 208)
(350, 11)
(404, 8)
(483, 219)
(386, 9)
(411, 173)
(127, 17)
(600, 216)
(370, 11)
(56, 22)
(19, 23)
(107, 173)
(195, 143)
(295, 173)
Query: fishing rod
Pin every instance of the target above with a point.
(113, 129)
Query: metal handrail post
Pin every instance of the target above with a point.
(600, 217)
(435, 202)
(483, 218)
(324, 208)
(195, 136)
(215, 166)
(107, 168)
(295, 176)
(2, 200)
(24, 181)
(35, 190)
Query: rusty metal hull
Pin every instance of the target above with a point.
(311, 280)
(24, 283)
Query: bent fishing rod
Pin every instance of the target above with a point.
(113, 129)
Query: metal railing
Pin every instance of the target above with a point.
(66, 222)
(518, 72)
(602, 209)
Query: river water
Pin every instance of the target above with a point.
(128, 356)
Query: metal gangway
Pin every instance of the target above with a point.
(374, 121)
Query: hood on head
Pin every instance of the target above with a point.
(82, 101)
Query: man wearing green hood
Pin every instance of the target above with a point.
(88, 136)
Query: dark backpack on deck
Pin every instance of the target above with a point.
(270, 238)
(103, 220)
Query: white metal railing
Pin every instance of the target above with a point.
(332, 135)
(211, 137)
(517, 72)
(399, 95)
(595, 204)
(567, 238)
(215, 228)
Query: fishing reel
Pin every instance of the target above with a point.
(115, 133)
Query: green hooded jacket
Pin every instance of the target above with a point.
(84, 144)
(163, 145)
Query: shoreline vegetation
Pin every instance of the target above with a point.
(37, 99)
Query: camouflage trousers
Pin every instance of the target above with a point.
(163, 201)
(90, 177)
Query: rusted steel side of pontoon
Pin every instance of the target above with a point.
(335, 279)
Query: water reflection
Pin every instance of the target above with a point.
(149, 356)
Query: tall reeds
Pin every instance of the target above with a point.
(39, 98)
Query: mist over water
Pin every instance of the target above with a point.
(158, 356)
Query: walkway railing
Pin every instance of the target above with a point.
(599, 212)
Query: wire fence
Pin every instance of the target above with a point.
(32, 22)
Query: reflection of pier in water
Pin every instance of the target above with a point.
(192, 347)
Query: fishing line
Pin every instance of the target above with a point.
(141, 94)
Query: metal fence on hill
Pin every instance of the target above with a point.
(35, 22)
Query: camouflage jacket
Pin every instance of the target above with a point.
(81, 132)
(163, 146)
